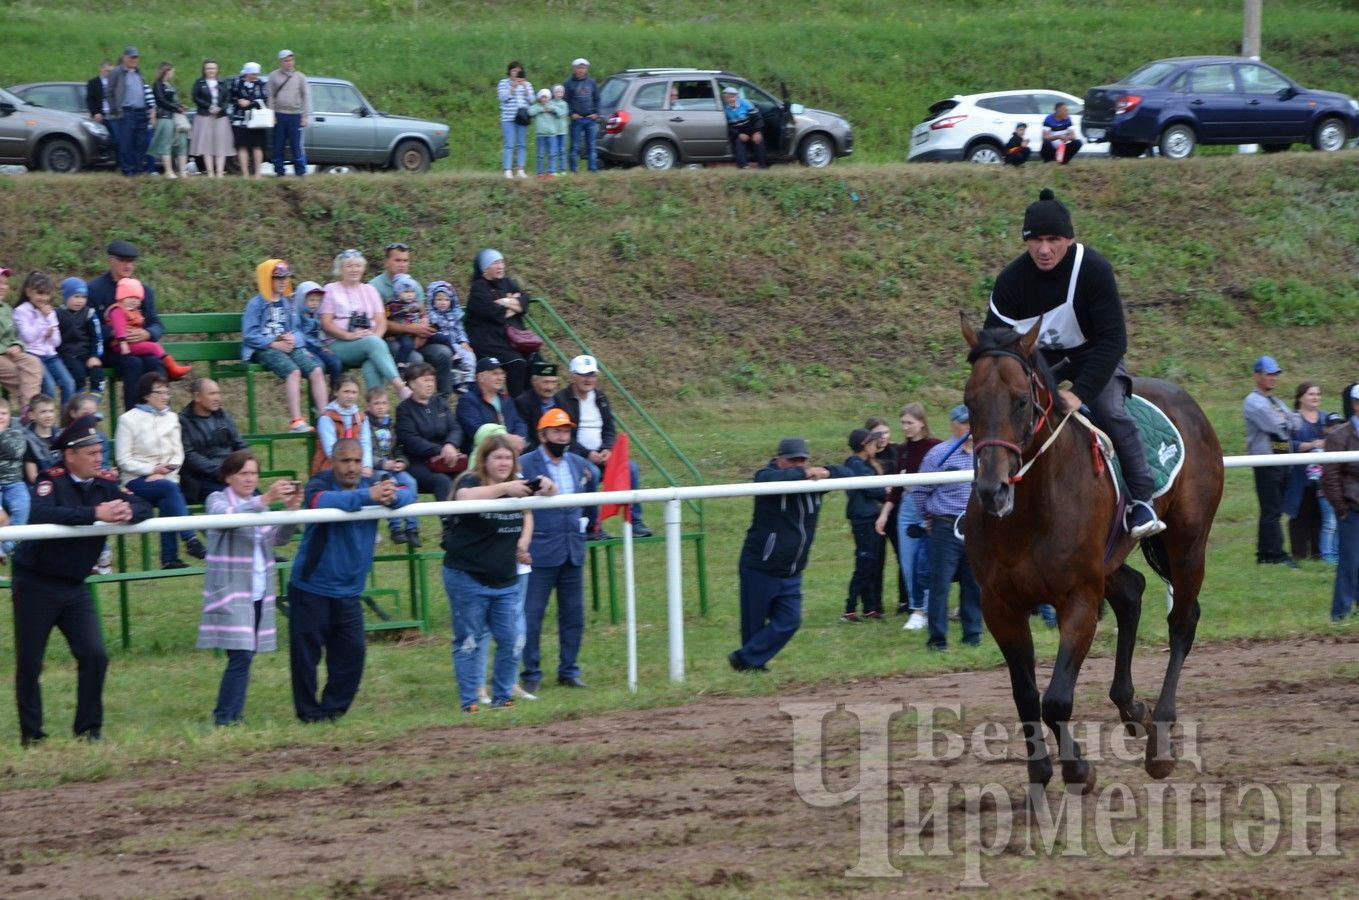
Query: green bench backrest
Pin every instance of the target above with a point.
(201, 323)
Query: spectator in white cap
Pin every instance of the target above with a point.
(248, 94)
(582, 102)
(594, 434)
(745, 128)
(290, 99)
(516, 96)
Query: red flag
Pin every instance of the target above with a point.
(617, 477)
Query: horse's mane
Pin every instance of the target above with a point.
(1005, 340)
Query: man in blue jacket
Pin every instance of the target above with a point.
(582, 101)
(558, 551)
(324, 592)
(775, 553)
(488, 402)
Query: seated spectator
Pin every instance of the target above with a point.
(210, 435)
(82, 337)
(14, 495)
(745, 128)
(594, 433)
(494, 304)
(354, 323)
(82, 405)
(1059, 136)
(124, 319)
(20, 374)
(405, 310)
(488, 402)
(36, 322)
(271, 335)
(122, 256)
(539, 398)
(387, 457)
(342, 418)
(428, 431)
(238, 586)
(149, 450)
(445, 315)
(41, 429)
(307, 303)
(1017, 151)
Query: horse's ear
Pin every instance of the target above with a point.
(1030, 338)
(968, 334)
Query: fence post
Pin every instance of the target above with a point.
(674, 585)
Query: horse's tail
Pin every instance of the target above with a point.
(1154, 550)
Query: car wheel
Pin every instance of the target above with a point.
(816, 151)
(984, 152)
(1127, 151)
(411, 157)
(659, 155)
(60, 156)
(1178, 142)
(1330, 135)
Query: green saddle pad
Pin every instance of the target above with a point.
(1163, 443)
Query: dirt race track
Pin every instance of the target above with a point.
(701, 801)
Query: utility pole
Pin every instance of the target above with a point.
(1251, 15)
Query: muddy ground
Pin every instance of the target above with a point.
(701, 800)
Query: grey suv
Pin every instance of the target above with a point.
(49, 139)
(661, 118)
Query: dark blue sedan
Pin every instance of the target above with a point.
(1177, 104)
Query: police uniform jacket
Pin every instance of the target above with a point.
(58, 499)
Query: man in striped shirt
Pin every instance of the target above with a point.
(943, 505)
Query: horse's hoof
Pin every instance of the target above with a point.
(1084, 787)
(1160, 768)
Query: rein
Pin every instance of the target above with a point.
(1044, 410)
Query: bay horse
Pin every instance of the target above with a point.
(1038, 530)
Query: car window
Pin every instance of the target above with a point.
(1015, 105)
(1259, 80)
(756, 96)
(52, 96)
(1047, 103)
(1214, 79)
(334, 98)
(695, 94)
(1151, 74)
(1179, 83)
(652, 96)
(611, 93)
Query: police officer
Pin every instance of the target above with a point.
(49, 587)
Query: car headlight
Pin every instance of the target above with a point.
(96, 129)
(1354, 104)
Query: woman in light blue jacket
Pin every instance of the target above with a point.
(515, 93)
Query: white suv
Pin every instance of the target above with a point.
(975, 128)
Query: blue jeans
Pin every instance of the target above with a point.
(546, 162)
(17, 501)
(914, 553)
(479, 611)
(583, 133)
(1329, 549)
(132, 140)
(1347, 568)
(168, 500)
(771, 613)
(55, 375)
(557, 153)
(514, 137)
(569, 581)
(231, 694)
(947, 561)
(288, 131)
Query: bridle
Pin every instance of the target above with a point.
(1040, 404)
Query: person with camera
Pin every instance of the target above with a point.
(745, 128)
(354, 320)
(482, 552)
(516, 95)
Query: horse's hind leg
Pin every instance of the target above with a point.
(1186, 575)
(1078, 629)
(1123, 590)
(1016, 644)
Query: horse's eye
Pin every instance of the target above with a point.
(1018, 403)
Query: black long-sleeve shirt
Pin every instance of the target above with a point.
(1023, 291)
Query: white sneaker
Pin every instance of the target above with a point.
(104, 566)
(521, 174)
(484, 697)
(915, 623)
(509, 174)
(518, 693)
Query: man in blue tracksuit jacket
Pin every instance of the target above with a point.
(324, 591)
(775, 553)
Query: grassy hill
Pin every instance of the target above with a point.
(879, 62)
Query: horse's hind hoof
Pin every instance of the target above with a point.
(1160, 768)
(1084, 786)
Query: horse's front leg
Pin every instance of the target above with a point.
(1012, 635)
(1124, 590)
(1077, 621)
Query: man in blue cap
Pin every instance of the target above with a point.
(1269, 426)
(943, 505)
(49, 577)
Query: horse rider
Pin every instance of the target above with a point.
(1072, 289)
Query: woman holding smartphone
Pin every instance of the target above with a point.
(238, 587)
(149, 451)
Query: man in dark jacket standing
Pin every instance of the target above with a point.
(210, 436)
(1340, 484)
(582, 102)
(133, 109)
(49, 577)
(775, 553)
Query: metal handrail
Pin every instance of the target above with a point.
(556, 319)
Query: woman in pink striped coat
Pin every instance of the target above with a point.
(238, 587)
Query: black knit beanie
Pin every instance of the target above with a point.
(1047, 217)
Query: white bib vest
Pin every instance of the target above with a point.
(1061, 330)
